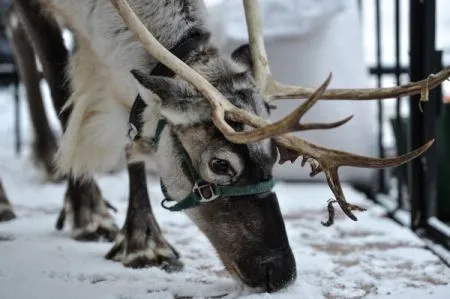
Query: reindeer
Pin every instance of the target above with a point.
(202, 117)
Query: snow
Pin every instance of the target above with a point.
(371, 258)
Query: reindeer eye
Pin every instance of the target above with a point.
(220, 166)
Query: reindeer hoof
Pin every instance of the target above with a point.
(87, 213)
(6, 214)
(147, 254)
(143, 260)
(98, 226)
(96, 232)
(92, 225)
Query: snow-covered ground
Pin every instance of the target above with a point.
(371, 258)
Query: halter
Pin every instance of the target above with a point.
(202, 191)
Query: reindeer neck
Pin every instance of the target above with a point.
(190, 49)
(196, 49)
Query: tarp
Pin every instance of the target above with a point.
(305, 40)
(282, 18)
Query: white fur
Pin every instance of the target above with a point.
(96, 134)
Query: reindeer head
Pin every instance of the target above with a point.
(237, 211)
(248, 231)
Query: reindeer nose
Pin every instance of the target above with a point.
(280, 271)
(270, 272)
(271, 265)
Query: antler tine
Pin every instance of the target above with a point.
(260, 62)
(335, 186)
(273, 89)
(276, 90)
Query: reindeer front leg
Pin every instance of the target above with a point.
(6, 212)
(141, 243)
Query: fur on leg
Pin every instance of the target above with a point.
(96, 134)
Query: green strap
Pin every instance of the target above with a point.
(262, 187)
(159, 129)
(194, 199)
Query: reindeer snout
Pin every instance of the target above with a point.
(271, 264)
(280, 271)
(271, 272)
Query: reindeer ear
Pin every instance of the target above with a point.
(180, 103)
(243, 56)
(163, 87)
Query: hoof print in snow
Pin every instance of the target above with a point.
(145, 254)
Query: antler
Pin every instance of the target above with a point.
(291, 147)
(273, 89)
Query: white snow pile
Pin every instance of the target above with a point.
(371, 258)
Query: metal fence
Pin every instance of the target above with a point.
(415, 194)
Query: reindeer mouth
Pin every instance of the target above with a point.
(233, 269)
(270, 274)
(267, 286)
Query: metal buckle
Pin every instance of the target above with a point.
(205, 188)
